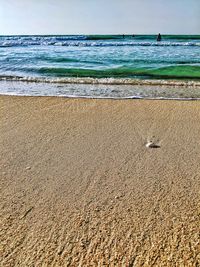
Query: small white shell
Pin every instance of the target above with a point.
(151, 144)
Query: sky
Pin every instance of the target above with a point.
(99, 16)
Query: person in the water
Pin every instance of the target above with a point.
(159, 37)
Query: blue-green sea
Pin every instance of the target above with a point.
(92, 63)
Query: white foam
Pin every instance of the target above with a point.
(81, 41)
(105, 81)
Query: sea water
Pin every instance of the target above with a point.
(101, 66)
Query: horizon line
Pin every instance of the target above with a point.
(106, 34)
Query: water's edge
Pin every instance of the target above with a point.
(133, 89)
(107, 98)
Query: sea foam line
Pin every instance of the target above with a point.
(85, 43)
(104, 81)
(136, 97)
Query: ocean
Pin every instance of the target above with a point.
(113, 66)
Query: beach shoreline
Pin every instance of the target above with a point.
(102, 88)
(79, 187)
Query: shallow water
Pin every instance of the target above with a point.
(100, 60)
(100, 90)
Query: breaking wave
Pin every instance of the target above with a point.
(169, 72)
(93, 44)
(102, 81)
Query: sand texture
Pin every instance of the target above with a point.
(79, 186)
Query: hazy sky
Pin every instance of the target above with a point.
(99, 16)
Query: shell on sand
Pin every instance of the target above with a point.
(151, 144)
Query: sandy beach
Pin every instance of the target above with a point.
(79, 187)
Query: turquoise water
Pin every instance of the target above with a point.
(105, 58)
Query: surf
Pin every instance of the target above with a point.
(178, 72)
(101, 81)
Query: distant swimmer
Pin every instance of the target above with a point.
(159, 37)
(133, 35)
(123, 35)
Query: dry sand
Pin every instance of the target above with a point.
(80, 188)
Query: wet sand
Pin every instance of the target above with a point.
(79, 187)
